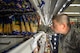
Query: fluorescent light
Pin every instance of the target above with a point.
(68, 0)
(64, 5)
(74, 5)
(61, 9)
(71, 12)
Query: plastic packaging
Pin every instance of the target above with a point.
(27, 25)
(23, 30)
(16, 25)
(1, 26)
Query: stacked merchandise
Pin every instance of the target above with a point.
(1, 26)
(43, 45)
(18, 25)
(23, 5)
(27, 25)
(7, 26)
(15, 25)
(33, 24)
(47, 46)
(23, 29)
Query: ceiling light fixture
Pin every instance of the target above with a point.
(74, 5)
(68, 0)
(61, 9)
(71, 12)
(64, 5)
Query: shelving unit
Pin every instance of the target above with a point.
(31, 45)
(10, 41)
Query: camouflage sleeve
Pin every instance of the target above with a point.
(78, 42)
(72, 45)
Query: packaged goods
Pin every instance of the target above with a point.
(33, 25)
(27, 26)
(16, 25)
(1, 26)
(23, 30)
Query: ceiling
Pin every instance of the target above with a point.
(73, 10)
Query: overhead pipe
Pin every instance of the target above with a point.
(41, 16)
(46, 7)
(53, 3)
(46, 10)
(67, 4)
(58, 6)
(35, 4)
(43, 12)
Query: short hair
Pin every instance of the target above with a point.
(61, 19)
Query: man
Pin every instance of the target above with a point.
(70, 42)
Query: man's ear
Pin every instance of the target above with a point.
(63, 25)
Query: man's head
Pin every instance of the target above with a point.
(61, 23)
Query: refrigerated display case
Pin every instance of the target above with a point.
(39, 43)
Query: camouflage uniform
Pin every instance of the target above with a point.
(69, 43)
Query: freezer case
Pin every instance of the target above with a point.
(39, 43)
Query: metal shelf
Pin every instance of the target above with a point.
(29, 45)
